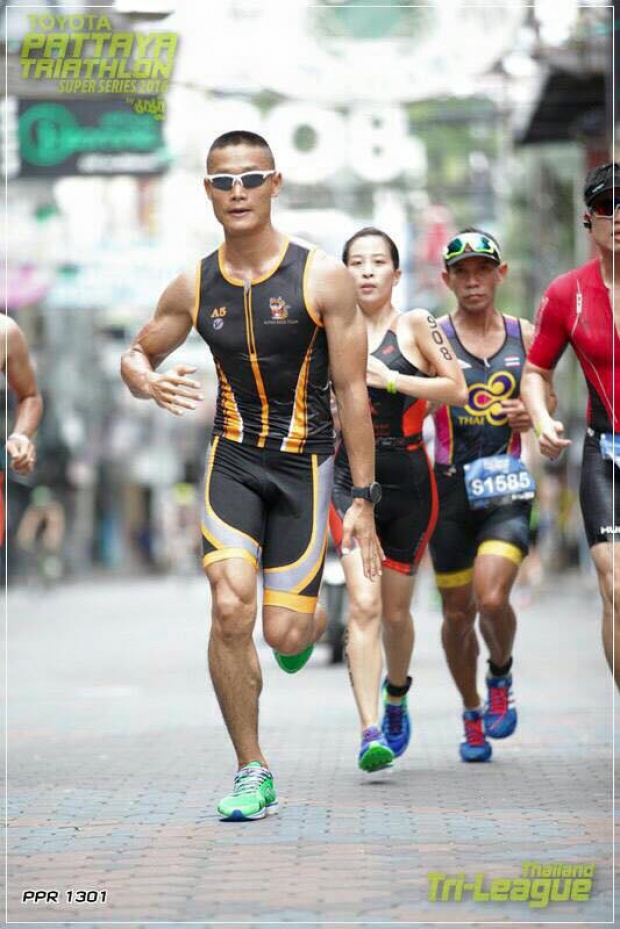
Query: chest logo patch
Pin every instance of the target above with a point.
(279, 308)
(485, 399)
(217, 316)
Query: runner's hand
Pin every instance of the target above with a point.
(377, 373)
(20, 448)
(359, 523)
(518, 417)
(174, 391)
(550, 441)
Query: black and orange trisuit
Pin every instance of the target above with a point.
(270, 464)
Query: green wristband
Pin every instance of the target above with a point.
(391, 383)
(538, 430)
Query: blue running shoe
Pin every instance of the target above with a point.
(396, 725)
(374, 754)
(500, 715)
(474, 747)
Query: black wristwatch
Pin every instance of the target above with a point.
(371, 492)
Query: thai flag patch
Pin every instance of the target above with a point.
(511, 361)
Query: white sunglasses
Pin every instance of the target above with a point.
(249, 179)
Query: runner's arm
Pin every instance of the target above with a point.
(517, 414)
(348, 351)
(166, 331)
(528, 332)
(22, 381)
(549, 340)
(536, 389)
(447, 385)
(332, 293)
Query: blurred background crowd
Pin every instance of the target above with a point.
(418, 119)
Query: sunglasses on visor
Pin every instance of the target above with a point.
(472, 242)
(605, 206)
(249, 179)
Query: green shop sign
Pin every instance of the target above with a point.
(87, 138)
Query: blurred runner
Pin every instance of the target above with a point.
(180, 518)
(41, 534)
(577, 309)
(409, 363)
(484, 489)
(17, 367)
(278, 315)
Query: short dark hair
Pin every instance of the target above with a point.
(240, 137)
(372, 230)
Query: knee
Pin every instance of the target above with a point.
(610, 591)
(364, 611)
(492, 601)
(609, 586)
(459, 617)
(288, 634)
(616, 615)
(612, 587)
(233, 612)
(395, 619)
(610, 595)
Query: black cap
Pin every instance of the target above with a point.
(599, 180)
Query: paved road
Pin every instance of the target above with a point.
(117, 757)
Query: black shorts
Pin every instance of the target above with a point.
(462, 533)
(406, 514)
(270, 508)
(596, 493)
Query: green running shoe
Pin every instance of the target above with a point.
(293, 663)
(253, 796)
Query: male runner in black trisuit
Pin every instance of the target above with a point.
(275, 313)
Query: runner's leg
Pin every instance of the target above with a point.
(494, 576)
(233, 660)
(460, 640)
(606, 558)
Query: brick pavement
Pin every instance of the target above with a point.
(117, 757)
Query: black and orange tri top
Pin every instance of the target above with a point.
(270, 353)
